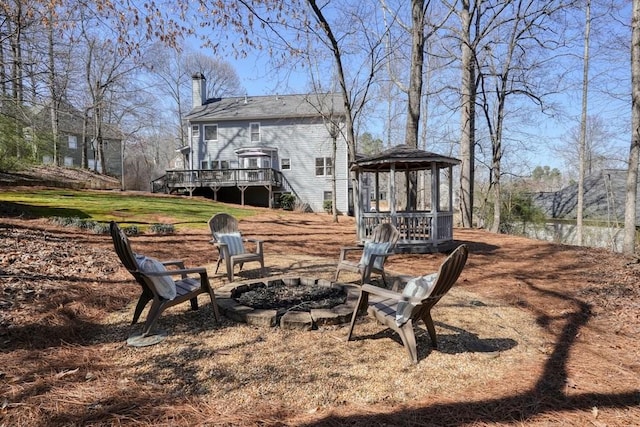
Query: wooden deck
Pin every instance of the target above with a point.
(216, 179)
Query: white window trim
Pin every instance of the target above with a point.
(205, 131)
(195, 131)
(282, 166)
(324, 166)
(251, 132)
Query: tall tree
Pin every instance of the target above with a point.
(467, 115)
(418, 12)
(583, 124)
(634, 150)
(512, 50)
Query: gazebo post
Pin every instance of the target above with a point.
(392, 194)
(360, 212)
(377, 179)
(435, 201)
(407, 188)
(450, 169)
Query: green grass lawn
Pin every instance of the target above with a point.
(139, 210)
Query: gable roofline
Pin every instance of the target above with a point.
(268, 107)
(70, 121)
(604, 198)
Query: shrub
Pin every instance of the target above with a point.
(131, 230)
(162, 228)
(101, 228)
(327, 205)
(62, 221)
(84, 224)
(287, 201)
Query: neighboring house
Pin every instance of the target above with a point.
(603, 211)
(70, 134)
(252, 149)
(604, 198)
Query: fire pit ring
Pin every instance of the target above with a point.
(229, 302)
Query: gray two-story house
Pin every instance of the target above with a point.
(252, 149)
(76, 140)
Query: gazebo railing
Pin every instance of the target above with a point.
(414, 227)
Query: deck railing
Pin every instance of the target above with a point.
(216, 178)
(415, 227)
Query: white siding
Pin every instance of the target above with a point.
(300, 140)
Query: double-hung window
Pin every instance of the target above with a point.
(73, 142)
(324, 166)
(285, 164)
(254, 129)
(195, 131)
(210, 132)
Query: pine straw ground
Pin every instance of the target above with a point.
(532, 334)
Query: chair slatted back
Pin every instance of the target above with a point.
(448, 274)
(222, 223)
(123, 249)
(386, 232)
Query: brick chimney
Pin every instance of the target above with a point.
(198, 90)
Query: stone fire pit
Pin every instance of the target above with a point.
(302, 303)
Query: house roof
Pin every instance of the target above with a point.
(70, 122)
(403, 157)
(604, 198)
(268, 107)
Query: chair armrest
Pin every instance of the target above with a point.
(178, 262)
(387, 293)
(223, 248)
(182, 272)
(259, 243)
(381, 292)
(346, 249)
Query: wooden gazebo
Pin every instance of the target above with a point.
(424, 214)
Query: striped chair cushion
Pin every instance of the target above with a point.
(374, 248)
(418, 287)
(233, 242)
(165, 286)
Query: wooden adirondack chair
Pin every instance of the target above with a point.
(227, 238)
(402, 311)
(374, 254)
(186, 288)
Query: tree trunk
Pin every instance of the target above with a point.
(84, 161)
(415, 74)
(54, 105)
(334, 196)
(351, 140)
(415, 92)
(467, 117)
(583, 126)
(634, 151)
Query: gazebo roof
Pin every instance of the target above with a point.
(403, 157)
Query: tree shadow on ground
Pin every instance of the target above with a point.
(546, 396)
(460, 342)
(25, 210)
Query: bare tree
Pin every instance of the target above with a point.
(512, 49)
(634, 151)
(583, 124)
(467, 116)
(222, 78)
(106, 67)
